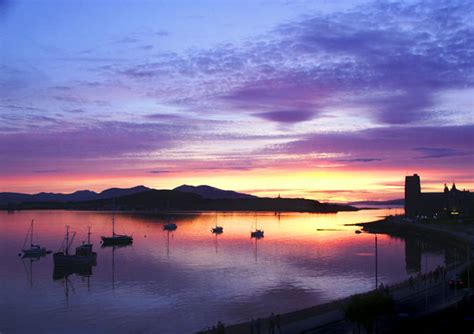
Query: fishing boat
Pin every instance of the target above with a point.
(84, 254)
(256, 233)
(34, 250)
(116, 239)
(217, 229)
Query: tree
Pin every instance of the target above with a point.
(364, 309)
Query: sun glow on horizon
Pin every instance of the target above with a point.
(322, 184)
(176, 94)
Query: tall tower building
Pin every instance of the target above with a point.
(412, 195)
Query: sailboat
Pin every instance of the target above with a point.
(84, 254)
(116, 239)
(257, 233)
(217, 229)
(34, 250)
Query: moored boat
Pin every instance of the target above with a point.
(170, 227)
(116, 239)
(217, 229)
(34, 250)
(83, 256)
(256, 233)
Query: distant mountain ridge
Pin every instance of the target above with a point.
(78, 196)
(172, 200)
(399, 201)
(184, 197)
(209, 192)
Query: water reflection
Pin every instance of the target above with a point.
(63, 272)
(255, 242)
(216, 236)
(28, 265)
(113, 248)
(304, 259)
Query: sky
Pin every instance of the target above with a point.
(330, 100)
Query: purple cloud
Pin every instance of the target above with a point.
(287, 116)
(390, 144)
(100, 142)
(360, 160)
(390, 59)
(439, 152)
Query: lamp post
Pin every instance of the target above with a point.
(376, 263)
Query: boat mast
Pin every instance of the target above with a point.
(31, 236)
(113, 268)
(31, 272)
(113, 219)
(67, 239)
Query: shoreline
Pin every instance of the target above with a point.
(329, 317)
(397, 225)
(159, 211)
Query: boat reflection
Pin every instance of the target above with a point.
(82, 270)
(215, 241)
(28, 265)
(167, 241)
(114, 248)
(63, 274)
(255, 242)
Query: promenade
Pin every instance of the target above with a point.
(423, 295)
(418, 296)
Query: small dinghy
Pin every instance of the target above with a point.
(256, 234)
(217, 230)
(170, 227)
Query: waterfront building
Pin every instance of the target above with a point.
(450, 202)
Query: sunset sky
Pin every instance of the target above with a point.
(331, 100)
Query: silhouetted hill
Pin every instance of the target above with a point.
(157, 200)
(82, 195)
(116, 192)
(397, 202)
(211, 192)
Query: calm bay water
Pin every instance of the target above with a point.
(186, 280)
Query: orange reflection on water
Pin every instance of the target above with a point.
(303, 260)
